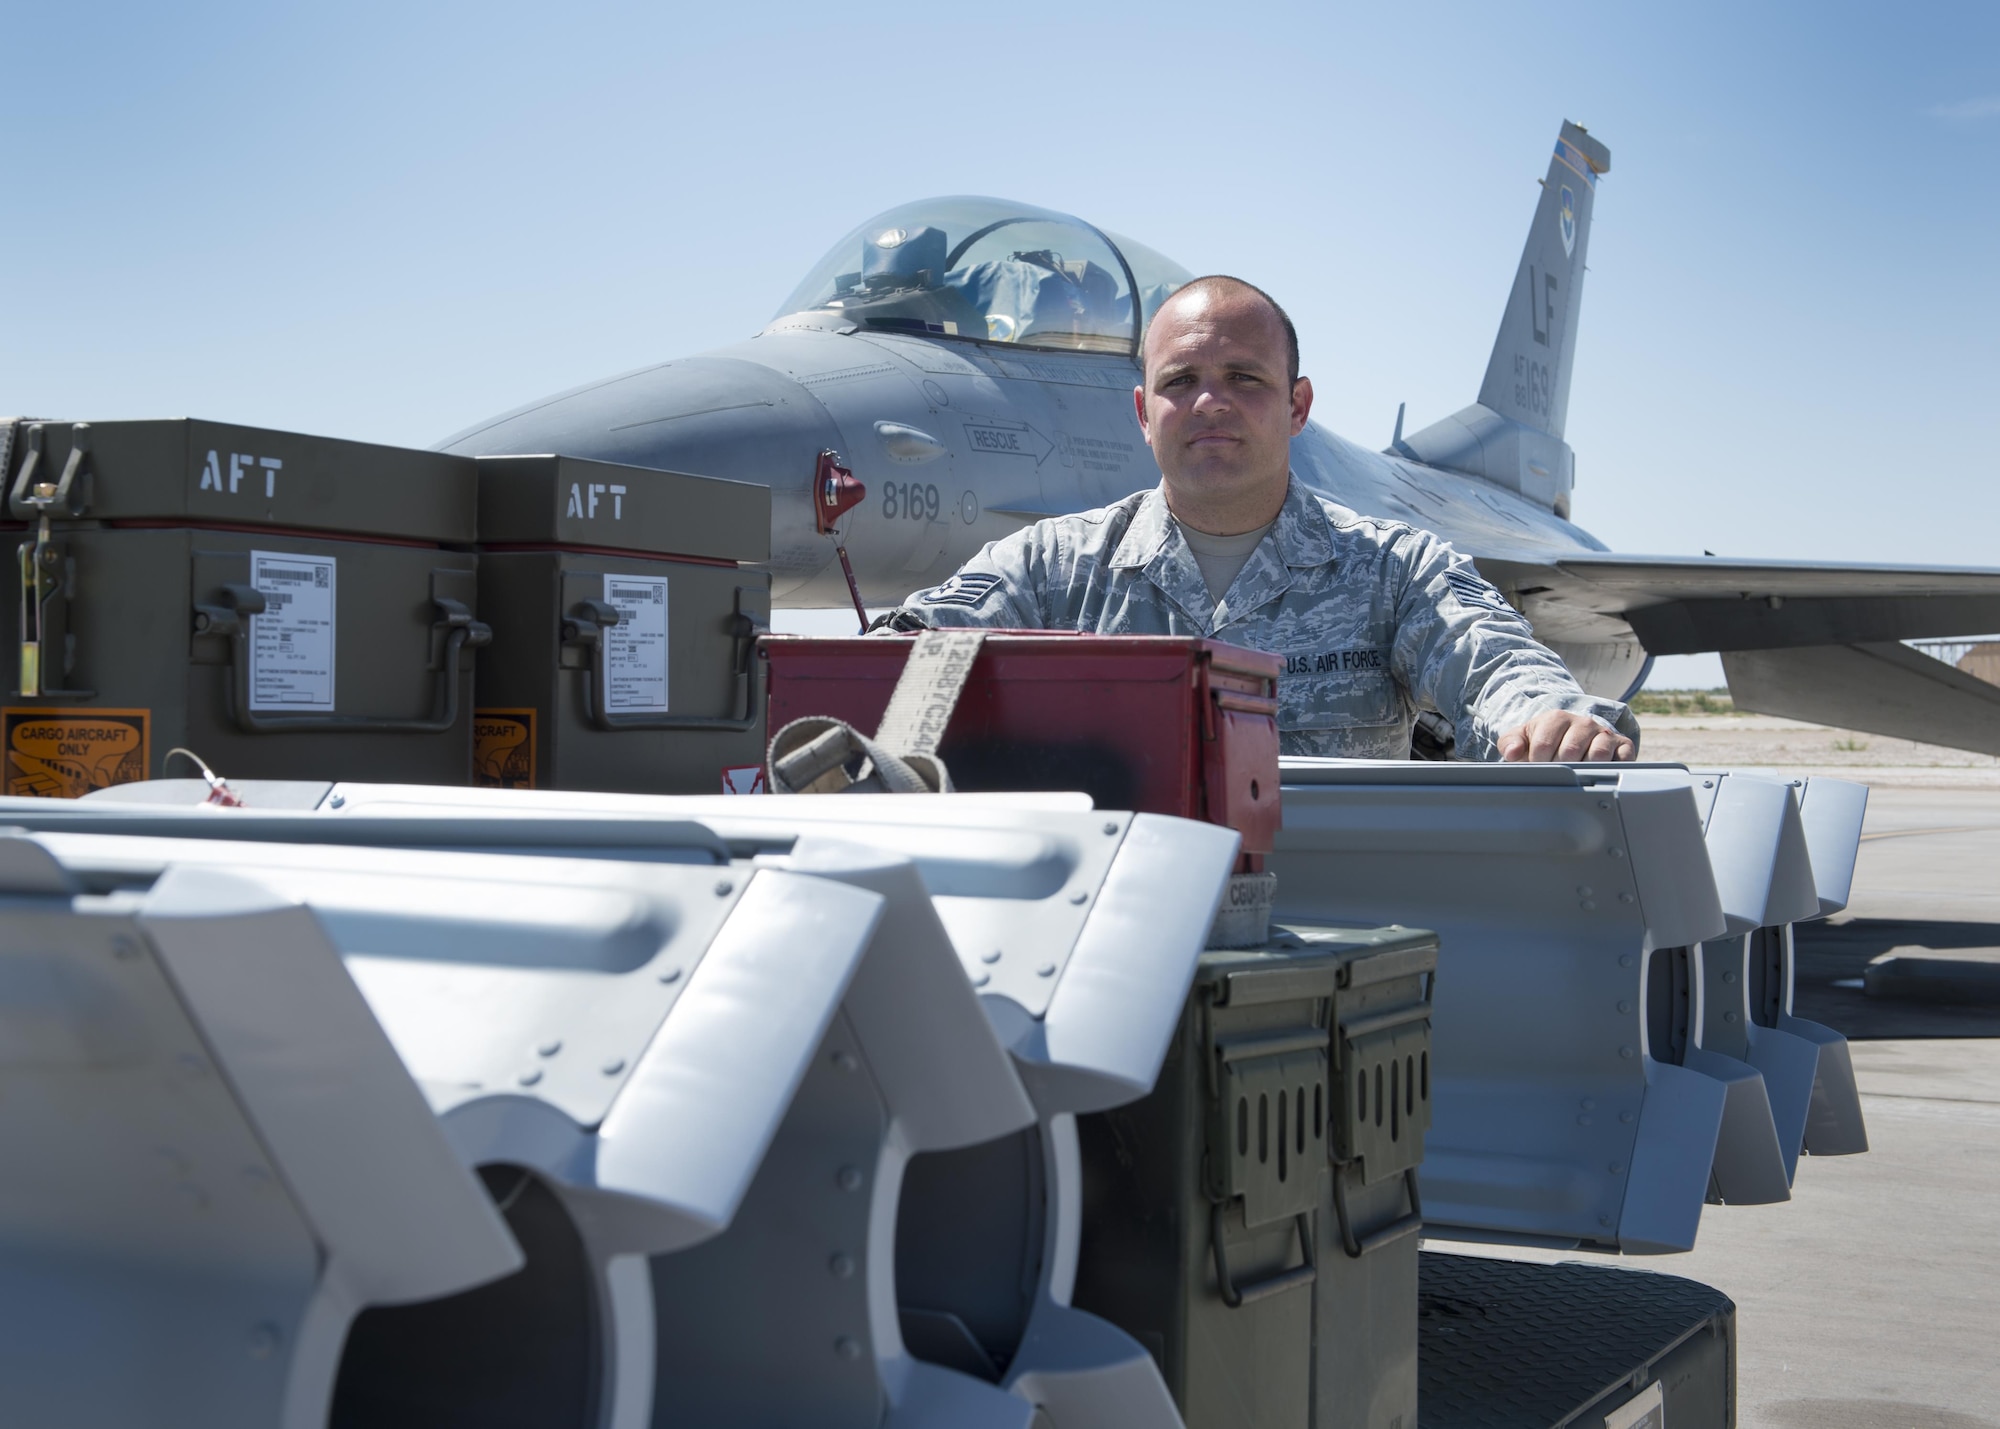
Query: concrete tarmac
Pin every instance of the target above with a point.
(1871, 1300)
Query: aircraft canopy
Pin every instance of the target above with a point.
(993, 271)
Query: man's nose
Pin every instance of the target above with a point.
(1211, 400)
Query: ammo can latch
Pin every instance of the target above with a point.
(47, 571)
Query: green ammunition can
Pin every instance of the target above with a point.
(1254, 1220)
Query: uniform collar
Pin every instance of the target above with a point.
(1299, 538)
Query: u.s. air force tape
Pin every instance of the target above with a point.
(1471, 590)
(966, 588)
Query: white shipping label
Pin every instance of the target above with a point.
(635, 649)
(291, 643)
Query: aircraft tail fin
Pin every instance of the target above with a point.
(1514, 433)
(1527, 379)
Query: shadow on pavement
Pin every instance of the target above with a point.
(1840, 951)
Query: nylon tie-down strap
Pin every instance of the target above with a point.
(822, 755)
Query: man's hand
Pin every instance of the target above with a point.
(1567, 736)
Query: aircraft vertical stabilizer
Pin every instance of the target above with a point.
(1513, 434)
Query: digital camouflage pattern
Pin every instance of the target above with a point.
(1377, 621)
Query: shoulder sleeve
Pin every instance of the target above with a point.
(1002, 586)
(1460, 649)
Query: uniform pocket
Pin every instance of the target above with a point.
(1338, 700)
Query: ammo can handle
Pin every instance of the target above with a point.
(1358, 1246)
(585, 623)
(231, 618)
(1236, 1296)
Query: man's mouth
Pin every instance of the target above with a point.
(1201, 439)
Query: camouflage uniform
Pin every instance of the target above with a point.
(1377, 621)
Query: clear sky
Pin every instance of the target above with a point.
(388, 221)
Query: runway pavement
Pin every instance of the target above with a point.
(1872, 1299)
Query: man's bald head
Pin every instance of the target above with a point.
(1221, 290)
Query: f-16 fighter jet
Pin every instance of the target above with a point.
(958, 367)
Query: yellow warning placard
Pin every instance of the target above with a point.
(64, 754)
(503, 749)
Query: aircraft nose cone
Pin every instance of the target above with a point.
(714, 416)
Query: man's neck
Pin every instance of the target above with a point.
(1247, 512)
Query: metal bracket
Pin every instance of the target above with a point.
(454, 630)
(69, 494)
(584, 624)
(40, 558)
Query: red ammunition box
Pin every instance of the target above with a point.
(1159, 724)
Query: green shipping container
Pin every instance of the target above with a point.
(1253, 1221)
(625, 627)
(285, 606)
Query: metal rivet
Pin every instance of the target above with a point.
(847, 1349)
(550, 1047)
(124, 949)
(1625, 1118)
(1728, 1017)
(1624, 1006)
(1617, 1168)
(1627, 1053)
(191, 1196)
(841, 1267)
(1604, 1220)
(1583, 1121)
(613, 1067)
(1603, 803)
(1583, 890)
(1046, 970)
(1588, 1104)
(1589, 905)
(1617, 852)
(670, 975)
(1627, 960)
(848, 1178)
(845, 1061)
(191, 1064)
(1708, 783)
(1729, 976)
(1626, 898)
(992, 957)
(724, 888)
(263, 1340)
(1111, 828)
(981, 979)
(1080, 896)
(337, 801)
(530, 1077)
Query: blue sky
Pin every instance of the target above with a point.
(389, 221)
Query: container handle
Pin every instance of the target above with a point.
(584, 624)
(1236, 1296)
(455, 625)
(1358, 1246)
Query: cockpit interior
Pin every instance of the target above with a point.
(991, 271)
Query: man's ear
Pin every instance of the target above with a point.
(1139, 410)
(1302, 404)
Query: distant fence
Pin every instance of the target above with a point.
(1977, 655)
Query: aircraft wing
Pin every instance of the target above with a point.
(1804, 639)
